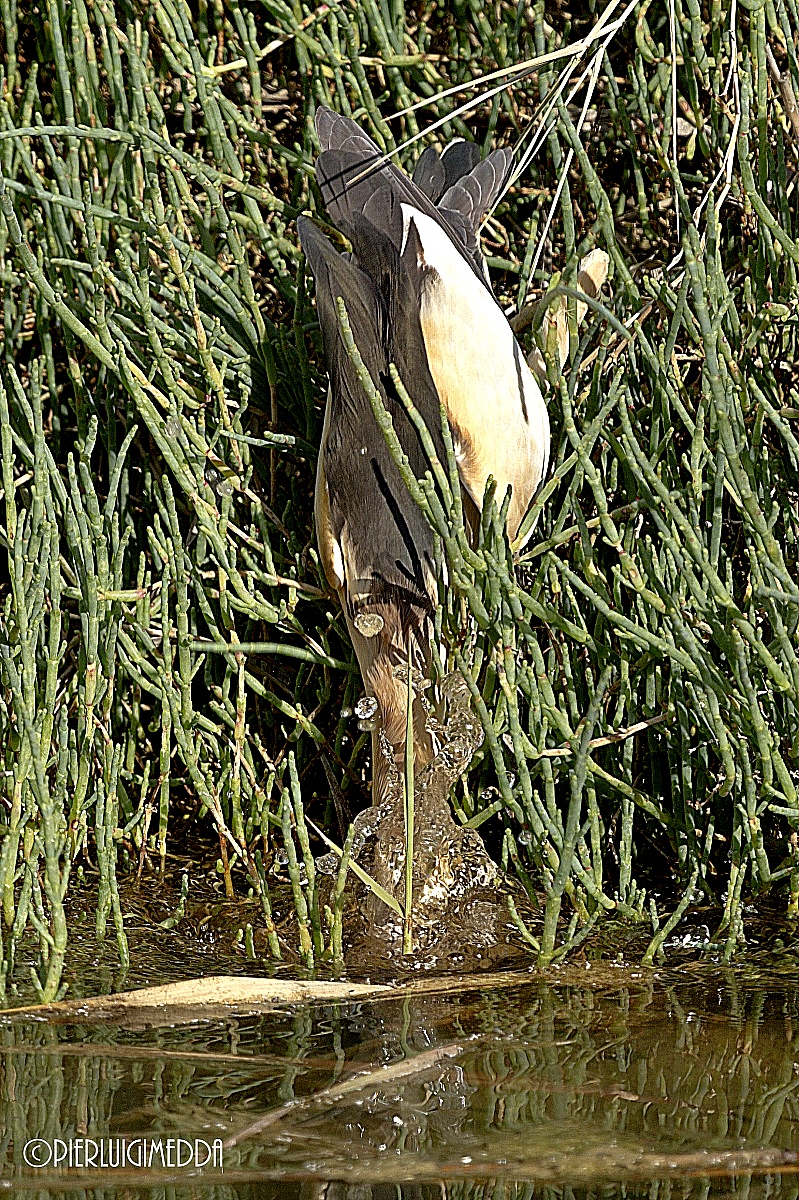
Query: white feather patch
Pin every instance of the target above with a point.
(493, 401)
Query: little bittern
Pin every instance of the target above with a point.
(417, 294)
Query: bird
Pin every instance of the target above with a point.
(417, 294)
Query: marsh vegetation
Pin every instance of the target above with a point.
(178, 695)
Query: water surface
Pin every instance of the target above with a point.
(593, 1081)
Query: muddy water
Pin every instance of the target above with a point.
(589, 1082)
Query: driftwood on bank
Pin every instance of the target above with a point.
(220, 996)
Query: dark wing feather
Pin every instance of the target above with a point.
(386, 543)
(377, 238)
(333, 130)
(351, 167)
(400, 280)
(347, 179)
(408, 346)
(429, 175)
(459, 159)
(473, 194)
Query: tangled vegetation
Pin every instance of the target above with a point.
(172, 664)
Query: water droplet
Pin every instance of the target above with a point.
(327, 864)
(524, 837)
(173, 427)
(368, 624)
(225, 488)
(281, 858)
(366, 708)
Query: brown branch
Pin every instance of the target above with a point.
(785, 89)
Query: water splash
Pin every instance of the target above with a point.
(459, 913)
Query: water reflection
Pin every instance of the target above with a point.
(550, 1089)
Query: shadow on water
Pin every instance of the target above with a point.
(593, 1082)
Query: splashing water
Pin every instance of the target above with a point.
(458, 911)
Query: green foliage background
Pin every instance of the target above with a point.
(168, 646)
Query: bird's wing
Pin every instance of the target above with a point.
(373, 534)
(458, 159)
(473, 193)
(351, 167)
(435, 173)
(429, 175)
(334, 130)
(469, 197)
(494, 406)
(400, 279)
(374, 541)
